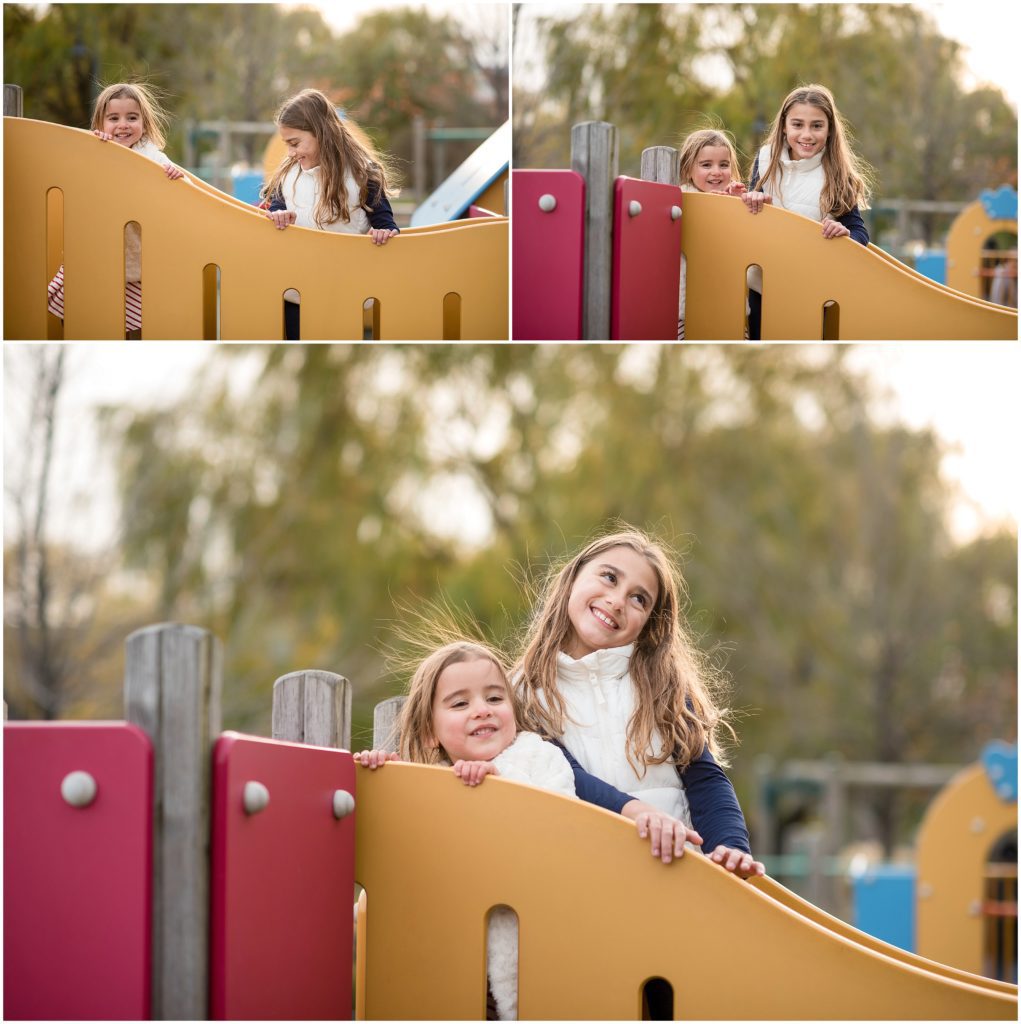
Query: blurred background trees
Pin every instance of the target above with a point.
(657, 71)
(301, 517)
(238, 62)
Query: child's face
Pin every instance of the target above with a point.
(712, 169)
(123, 120)
(610, 602)
(472, 714)
(806, 129)
(302, 145)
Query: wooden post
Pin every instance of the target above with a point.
(386, 718)
(594, 156)
(312, 707)
(172, 685)
(13, 101)
(662, 164)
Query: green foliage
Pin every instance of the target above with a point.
(658, 71)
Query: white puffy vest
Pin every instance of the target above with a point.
(301, 190)
(801, 183)
(599, 698)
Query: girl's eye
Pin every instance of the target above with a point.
(610, 576)
(640, 598)
(496, 698)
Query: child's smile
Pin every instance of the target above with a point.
(123, 120)
(712, 169)
(806, 129)
(302, 146)
(472, 714)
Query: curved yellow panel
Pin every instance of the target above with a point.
(966, 239)
(878, 297)
(598, 917)
(955, 839)
(186, 227)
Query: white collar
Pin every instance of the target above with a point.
(805, 166)
(611, 661)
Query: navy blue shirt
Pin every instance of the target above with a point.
(377, 206)
(715, 813)
(852, 220)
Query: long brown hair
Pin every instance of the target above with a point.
(416, 724)
(674, 679)
(154, 118)
(343, 148)
(848, 178)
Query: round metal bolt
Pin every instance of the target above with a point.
(925, 890)
(255, 798)
(978, 825)
(78, 789)
(675, 213)
(547, 203)
(974, 908)
(343, 803)
(634, 208)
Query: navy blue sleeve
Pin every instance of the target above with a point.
(715, 813)
(276, 202)
(381, 214)
(754, 179)
(593, 790)
(852, 220)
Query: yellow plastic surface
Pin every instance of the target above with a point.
(967, 237)
(955, 839)
(186, 227)
(878, 297)
(598, 918)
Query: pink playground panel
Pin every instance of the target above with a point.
(282, 883)
(548, 255)
(77, 880)
(646, 260)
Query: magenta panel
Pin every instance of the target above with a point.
(646, 261)
(77, 880)
(282, 883)
(548, 255)
(480, 211)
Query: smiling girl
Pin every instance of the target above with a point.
(332, 179)
(610, 671)
(126, 113)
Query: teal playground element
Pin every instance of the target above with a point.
(452, 199)
(884, 903)
(1000, 204)
(1000, 759)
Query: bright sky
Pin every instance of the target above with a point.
(966, 392)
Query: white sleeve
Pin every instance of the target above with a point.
(531, 759)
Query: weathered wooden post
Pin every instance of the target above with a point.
(386, 721)
(660, 163)
(312, 706)
(13, 101)
(594, 156)
(172, 687)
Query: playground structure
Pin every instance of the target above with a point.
(215, 268)
(596, 256)
(968, 263)
(232, 861)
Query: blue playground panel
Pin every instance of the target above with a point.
(1000, 762)
(246, 187)
(933, 263)
(884, 904)
(1001, 204)
(452, 199)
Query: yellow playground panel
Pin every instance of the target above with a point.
(599, 918)
(955, 840)
(875, 297)
(966, 245)
(68, 196)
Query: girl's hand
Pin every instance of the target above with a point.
(282, 218)
(736, 188)
(380, 236)
(833, 229)
(173, 172)
(755, 201)
(737, 861)
(666, 834)
(374, 758)
(471, 773)
(102, 135)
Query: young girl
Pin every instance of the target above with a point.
(128, 114)
(332, 179)
(708, 160)
(609, 670)
(808, 166)
(461, 712)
